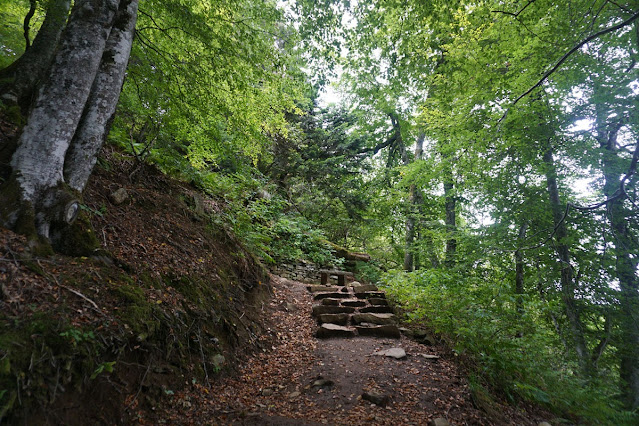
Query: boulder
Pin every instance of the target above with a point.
(324, 309)
(390, 331)
(331, 330)
(380, 319)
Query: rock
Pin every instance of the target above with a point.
(320, 296)
(377, 309)
(369, 294)
(390, 331)
(378, 301)
(368, 287)
(432, 358)
(440, 421)
(354, 303)
(267, 392)
(406, 331)
(379, 319)
(339, 319)
(324, 309)
(355, 284)
(331, 302)
(344, 290)
(331, 330)
(423, 337)
(321, 288)
(320, 383)
(294, 395)
(218, 361)
(397, 353)
(119, 196)
(376, 398)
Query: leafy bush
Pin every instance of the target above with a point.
(518, 353)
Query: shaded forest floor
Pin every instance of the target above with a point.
(302, 380)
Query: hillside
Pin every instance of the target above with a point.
(170, 300)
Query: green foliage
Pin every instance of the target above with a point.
(519, 354)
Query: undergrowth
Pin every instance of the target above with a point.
(514, 353)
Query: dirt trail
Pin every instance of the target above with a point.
(306, 381)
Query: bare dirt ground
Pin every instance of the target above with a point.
(280, 386)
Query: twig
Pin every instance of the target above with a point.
(77, 293)
(206, 373)
(140, 388)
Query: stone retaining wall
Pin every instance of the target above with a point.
(301, 271)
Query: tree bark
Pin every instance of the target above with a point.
(563, 253)
(98, 114)
(24, 74)
(519, 269)
(414, 201)
(450, 219)
(37, 186)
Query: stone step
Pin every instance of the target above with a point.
(319, 296)
(380, 319)
(375, 301)
(321, 288)
(367, 287)
(326, 331)
(339, 319)
(332, 302)
(325, 309)
(353, 303)
(390, 331)
(370, 294)
(377, 310)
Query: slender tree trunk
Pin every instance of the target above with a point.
(23, 75)
(563, 253)
(100, 109)
(36, 192)
(414, 201)
(626, 262)
(519, 269)
(450, 219)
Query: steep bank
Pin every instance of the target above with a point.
(103, 339)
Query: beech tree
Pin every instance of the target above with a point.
(68, 120)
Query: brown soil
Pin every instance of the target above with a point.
(276, 387)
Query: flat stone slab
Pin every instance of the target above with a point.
(332, 295)
(377, 310)
(324, 309)
(380, 319)
(332, 302)
(375, 301)
(370, 294)
(367, 287)
(397, 353)
(339, 319)
(431, 358)
(321, 288)
(390, 331)
(331, 330)
(354, 303)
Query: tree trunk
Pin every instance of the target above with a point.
(625, 250)
(519, 269)
(450, 219)
(414, 201)
(36, 192)
(24, 74)
(100, 109)
(563, 253)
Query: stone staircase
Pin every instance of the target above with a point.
(352, 309)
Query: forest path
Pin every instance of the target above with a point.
(303, 380)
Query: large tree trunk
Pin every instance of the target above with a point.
(36, 195)
(563, 253)
(450, 219)
(22, 76)
(519, 269)
(626, 262)
(414, 202)
(100, 109)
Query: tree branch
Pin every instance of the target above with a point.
(27, 22)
